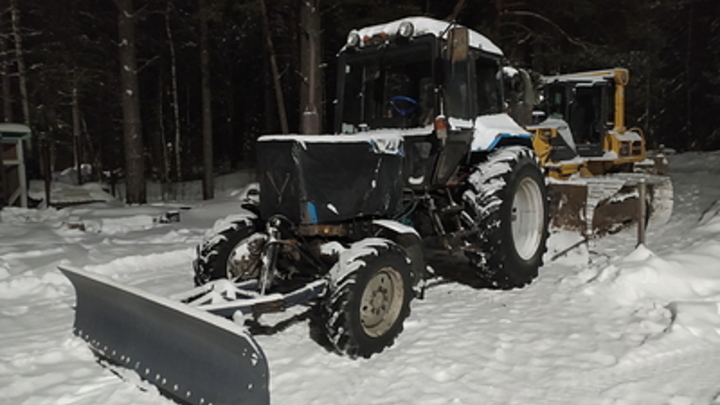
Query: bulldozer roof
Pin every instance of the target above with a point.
(412, 27)
(620, 75)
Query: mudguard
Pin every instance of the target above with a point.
(190, 355)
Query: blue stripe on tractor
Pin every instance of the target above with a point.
(311, 212)
(500, 137)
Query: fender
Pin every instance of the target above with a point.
(491, 131)
(407, 237)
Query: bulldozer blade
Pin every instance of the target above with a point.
(190, 355)
(597, 206)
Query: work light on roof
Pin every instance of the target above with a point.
(353, 39)
(406, 29)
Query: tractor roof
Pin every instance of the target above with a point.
(416, 27)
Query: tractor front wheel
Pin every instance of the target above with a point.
(215, 252)
(369, 297)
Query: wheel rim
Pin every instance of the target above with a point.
(381, 302)
(528, 212)
(244, 256)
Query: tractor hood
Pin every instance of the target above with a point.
(317, 179)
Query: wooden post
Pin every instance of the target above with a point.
(47, 175)
(642, 211)
(3, 181)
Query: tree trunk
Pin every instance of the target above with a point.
(208, 184)
(134, 151)
(235, 146)
(76, 130)
(691, 140)
(311, 88)
(175, 102)
(163, 140)
(6, 91)
(20, 59)
(275, 72)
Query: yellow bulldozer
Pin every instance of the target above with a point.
(593, 162)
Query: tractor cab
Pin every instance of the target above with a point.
(407, 73)
(429, 80)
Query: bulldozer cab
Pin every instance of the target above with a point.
(586, 104)
(591, 106)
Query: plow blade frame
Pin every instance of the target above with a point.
(602, 205)
(192, 356)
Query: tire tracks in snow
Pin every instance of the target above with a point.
(551, 343)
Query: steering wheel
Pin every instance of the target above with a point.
(396, 103)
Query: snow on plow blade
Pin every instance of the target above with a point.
(608, 204)
(192, 356)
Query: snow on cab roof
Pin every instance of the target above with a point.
(13, 130)
(423, 26)
(594, 76)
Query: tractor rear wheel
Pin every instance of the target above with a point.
(369, 297)
(507, 199)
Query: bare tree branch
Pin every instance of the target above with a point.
(148, 63)
(567, 36)
(456, 11)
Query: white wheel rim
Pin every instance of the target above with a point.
(381, 302)
(241, 254)
(527, 218)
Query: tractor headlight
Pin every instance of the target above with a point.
(406, 29)
(353, 39)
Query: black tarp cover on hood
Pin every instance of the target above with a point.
(330, 178)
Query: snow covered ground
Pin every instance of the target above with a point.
(611, 324)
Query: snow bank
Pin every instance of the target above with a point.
(642, 276)
(120, 225)
(699, 319)
(48, 285)
(685, 283)
(66, 194)
(143, 263)
(708, 222)
(4, 270)
(17, 215)
(695, 162)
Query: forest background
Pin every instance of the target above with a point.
(184, 87)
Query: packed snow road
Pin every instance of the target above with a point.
(602, 325)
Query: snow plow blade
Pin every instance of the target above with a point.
(596, 206)
(190, 355)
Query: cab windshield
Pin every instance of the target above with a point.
(393, 87)
(390, 87)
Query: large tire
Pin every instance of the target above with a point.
(369, 297)
(213, 253)
(507, 198)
